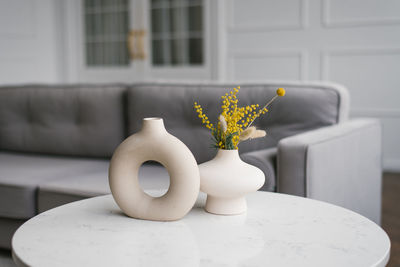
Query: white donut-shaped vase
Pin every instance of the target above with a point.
(153, 142)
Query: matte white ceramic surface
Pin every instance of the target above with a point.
(276, 230)
(153, 142)
(227, 179)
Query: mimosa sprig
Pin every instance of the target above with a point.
(235, 122)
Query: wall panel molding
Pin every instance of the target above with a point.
(328, 53)
(19, 20)
(302, 23)
(376, 113)
(329, 22)
(302, 57)
(27, 41)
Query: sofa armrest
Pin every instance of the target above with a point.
(339, 164)
(264, 159)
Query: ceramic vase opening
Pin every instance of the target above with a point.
(154, 186)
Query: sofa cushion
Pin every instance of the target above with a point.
(22, 174)
(305, 107)
(62, 120)
(61, 191)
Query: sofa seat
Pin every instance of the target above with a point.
(56, 192)
(22, 174)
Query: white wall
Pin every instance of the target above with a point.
(353, 42)
(28, 42)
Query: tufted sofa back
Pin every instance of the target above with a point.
(62, 120)
(91, 120)
(306, 106)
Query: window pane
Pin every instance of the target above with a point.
(89, 54)
(157, 20)
(89, 3)
(157, 3)
(98, 53)
(195, 18)
(175, 20)
(158, 58)
(106, 30)
(107, 3)
(177, 32)
(177, 57)
(196, 51)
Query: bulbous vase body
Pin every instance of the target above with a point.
(153, 142)
(226, 179)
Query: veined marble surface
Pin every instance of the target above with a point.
(277, 230)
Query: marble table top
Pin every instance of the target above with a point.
(277, 230)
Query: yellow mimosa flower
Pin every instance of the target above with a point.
(280, 92)
(235, 122)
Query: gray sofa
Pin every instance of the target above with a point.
(55, 142)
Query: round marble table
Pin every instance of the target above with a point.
(277, 230)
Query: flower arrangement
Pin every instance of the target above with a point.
(235, 122)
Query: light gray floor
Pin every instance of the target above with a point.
(5, 259)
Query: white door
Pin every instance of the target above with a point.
(137, 40)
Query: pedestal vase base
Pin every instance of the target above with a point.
(225, 206)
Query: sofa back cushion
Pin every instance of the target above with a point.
(305, 107)
(64, 120)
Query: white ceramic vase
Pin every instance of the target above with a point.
(226, 179)
(153, 142)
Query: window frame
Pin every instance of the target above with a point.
(143, 70)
